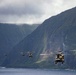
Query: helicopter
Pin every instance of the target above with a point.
(30, 54)
(59, 57)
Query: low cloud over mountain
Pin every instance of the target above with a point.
(31, 11)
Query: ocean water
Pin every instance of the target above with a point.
(20, 71)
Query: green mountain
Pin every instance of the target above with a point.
(10, 35)
(54, 34)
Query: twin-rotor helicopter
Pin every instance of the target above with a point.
(59, 56)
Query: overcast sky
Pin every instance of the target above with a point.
(32, 11)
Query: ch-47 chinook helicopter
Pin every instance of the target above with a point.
(30, 54)
(59, 57)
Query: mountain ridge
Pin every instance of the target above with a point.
(55, 33)
(10, 35)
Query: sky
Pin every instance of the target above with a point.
(32, 11)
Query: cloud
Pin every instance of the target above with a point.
(32, 11)
(19, 7)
